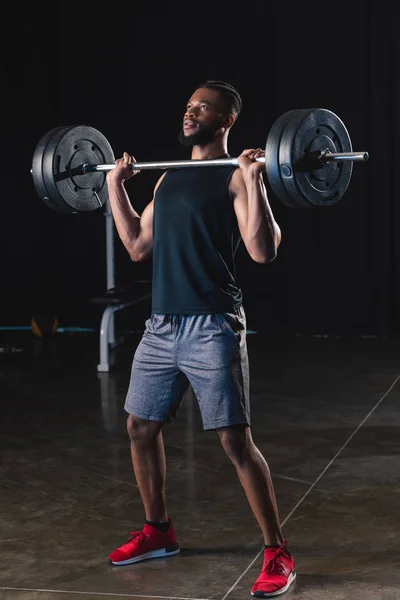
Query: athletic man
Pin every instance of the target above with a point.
(196, 334)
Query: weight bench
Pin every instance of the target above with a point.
(116, 299)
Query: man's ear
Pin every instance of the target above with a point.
(229, 120)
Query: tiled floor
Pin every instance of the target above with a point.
(325, 415)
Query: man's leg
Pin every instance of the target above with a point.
(215, 361)
(278, 570)
(154, 396)
(148, 460)
(157, 539)
(255, 477)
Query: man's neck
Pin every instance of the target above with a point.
(209, 152)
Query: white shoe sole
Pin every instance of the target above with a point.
(291, 578)
(153, 554)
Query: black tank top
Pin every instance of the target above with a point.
(195, 237)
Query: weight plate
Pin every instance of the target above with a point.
(72, 148)
(63, 151)
(308, 132)
(37, 170)
(272, 165)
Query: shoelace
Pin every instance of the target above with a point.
(272, 565)
(136, 534)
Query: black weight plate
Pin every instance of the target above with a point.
(63, 157)
(314, 130)
(37, 170)
(272, 158)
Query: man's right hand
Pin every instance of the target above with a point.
(123, 169)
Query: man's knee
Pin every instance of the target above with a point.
(142, 431)
(236, 441)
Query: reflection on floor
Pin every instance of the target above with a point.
(325, 415)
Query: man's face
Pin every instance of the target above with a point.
(203, 118)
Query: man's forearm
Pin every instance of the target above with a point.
(263, 233)
(127, 220)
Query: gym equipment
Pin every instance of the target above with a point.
(308, 163)
(117, 299)
(57, 169)
(44, 325)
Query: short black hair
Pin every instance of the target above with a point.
(230, 95)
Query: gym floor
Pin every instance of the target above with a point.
(325, 414)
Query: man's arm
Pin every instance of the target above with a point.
(260, 232)
(135, 231)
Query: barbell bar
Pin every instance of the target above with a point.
(324, 156)
(308, 162)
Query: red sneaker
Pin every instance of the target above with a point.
(145, 544)
(277, 573)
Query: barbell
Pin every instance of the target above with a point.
(308, 162)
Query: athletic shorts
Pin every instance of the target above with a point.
(208, 352)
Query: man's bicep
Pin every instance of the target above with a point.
(145, 239)
(240, 203)
(144, 242)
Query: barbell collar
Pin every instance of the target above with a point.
(218, 162)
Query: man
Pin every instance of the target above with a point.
(196, 334)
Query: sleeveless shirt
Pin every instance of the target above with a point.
(195, 238)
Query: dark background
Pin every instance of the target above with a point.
(128, 69)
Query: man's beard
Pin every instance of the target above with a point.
(205, 135)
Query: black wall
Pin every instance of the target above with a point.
(128, 69)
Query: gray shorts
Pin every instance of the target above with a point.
(208, 352)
